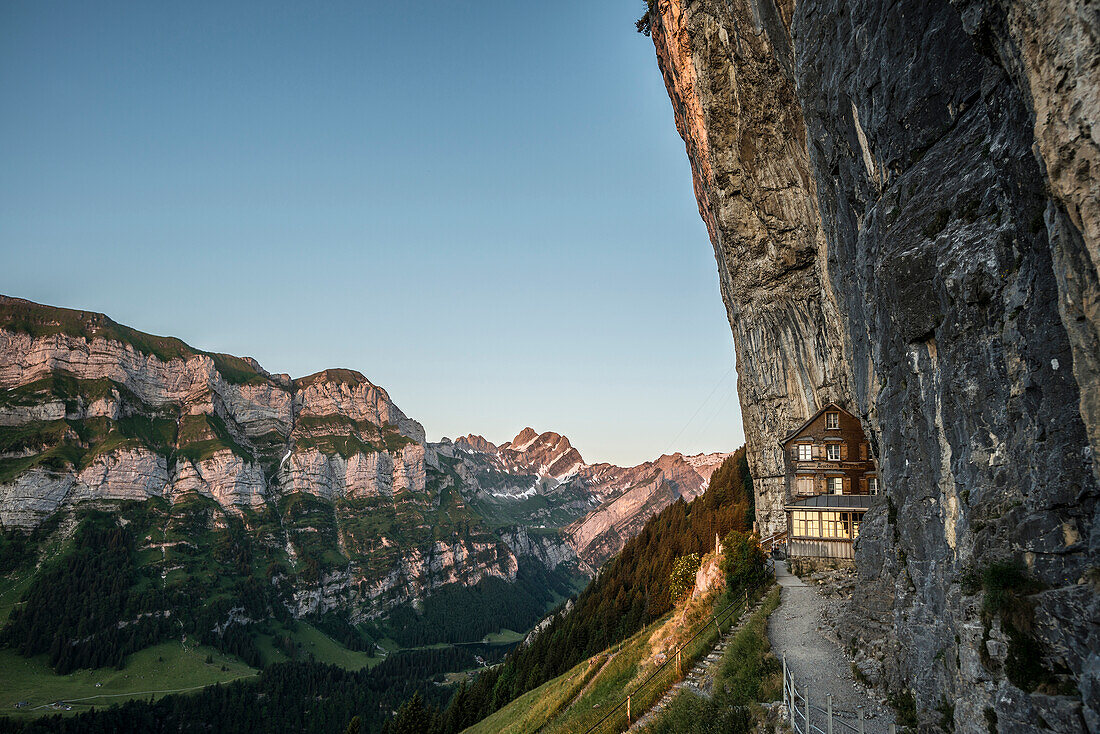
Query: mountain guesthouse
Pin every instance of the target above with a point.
(831, 482)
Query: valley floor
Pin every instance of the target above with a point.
(150, 673)
(795, 631)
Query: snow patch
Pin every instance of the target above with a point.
(525, 494)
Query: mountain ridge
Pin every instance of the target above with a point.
(336, 485)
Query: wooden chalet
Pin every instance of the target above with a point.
(831, 482)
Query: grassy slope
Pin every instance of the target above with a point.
(163, 667)
(577, 699)
(316, 643)
(600, 680)
(535, 707)
(505, 636)
(11, 590)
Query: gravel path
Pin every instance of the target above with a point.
(795, 631)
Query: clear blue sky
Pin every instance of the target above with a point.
(482, 206)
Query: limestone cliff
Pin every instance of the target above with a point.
(126, 415)
(902, 199)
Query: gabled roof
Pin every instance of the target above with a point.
(833, 502)
(828, 406)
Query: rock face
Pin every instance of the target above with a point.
(73, 381)
(646, 490)
(757, 195)
(902, 199)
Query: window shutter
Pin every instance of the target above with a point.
(819, 451)
(794, 453)
(847, 485)
(821, 485)
(844, 451)
(863, 451)
(863, 486)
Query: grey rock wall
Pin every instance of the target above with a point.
(951, 295)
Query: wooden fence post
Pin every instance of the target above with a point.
(829, 712)
(786, 701)
(806, 693)
(860, 720)
(628, 710)
(679, 664)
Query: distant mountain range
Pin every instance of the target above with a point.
(326, 483)
(542, 478)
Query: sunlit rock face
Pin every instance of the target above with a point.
(76, 380)
(348, 393)
(902, 202)
(733, 95)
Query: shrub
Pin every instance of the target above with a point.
(743, 561)
(644, 24)
(905, 705)
(682, 579)
(1006, 588)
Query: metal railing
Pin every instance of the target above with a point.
(656, 683)
(769, 543)
(803, 714)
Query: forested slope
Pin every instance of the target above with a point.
(628, 593)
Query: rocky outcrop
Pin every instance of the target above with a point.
(709, 576)
(241, 435)
(374, 474)
(902, 202)
(549, 549)
(476, 443)
(417, 573)
(349, 394)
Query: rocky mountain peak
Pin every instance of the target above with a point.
(522, 440)
(473, 442)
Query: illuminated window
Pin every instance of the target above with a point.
(832, 452)
(836, 525)
(832, 420)
(805, 524)
(805, 452)
(836, 485)
(804, 485)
